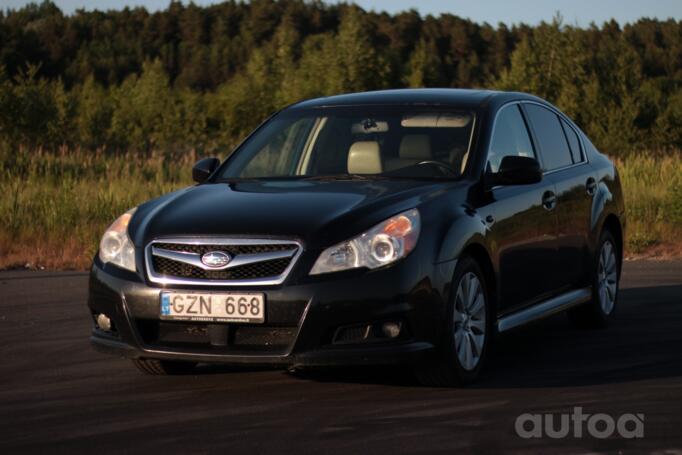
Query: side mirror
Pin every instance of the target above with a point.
(517, 170)
(204, 168)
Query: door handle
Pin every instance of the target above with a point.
(549, 200)
(591, 186)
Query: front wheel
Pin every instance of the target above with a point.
(605, 278)
(468, 331)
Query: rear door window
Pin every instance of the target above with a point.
(550, 136)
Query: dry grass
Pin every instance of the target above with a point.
(652, 185)
(54, 207)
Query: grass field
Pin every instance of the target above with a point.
(55, 206)
(652, 183)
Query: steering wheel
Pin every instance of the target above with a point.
(440, 165)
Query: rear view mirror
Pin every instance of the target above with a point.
(517, 170)
(203, 169)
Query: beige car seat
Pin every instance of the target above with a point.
(364, 157)
(414, 148)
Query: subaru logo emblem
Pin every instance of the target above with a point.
(216, 259)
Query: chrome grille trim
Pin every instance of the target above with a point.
(238, 260)
(194, 259)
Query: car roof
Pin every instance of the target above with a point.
(462, 98)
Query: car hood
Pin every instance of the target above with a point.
(317, 212)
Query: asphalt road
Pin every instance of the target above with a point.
(58, 395)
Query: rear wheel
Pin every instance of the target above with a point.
(163, 367)
(605, 279)
(468, 330)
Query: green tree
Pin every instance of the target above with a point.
(93, 121)
(201, 77)
(139, 107)
(6, 98)
(537, 63)
(669, 124)
(358, 64)
(31, 108)
(60, 129)
(423, 67)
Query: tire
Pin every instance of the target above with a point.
(163, 367)
(605, 277)
(465, 325)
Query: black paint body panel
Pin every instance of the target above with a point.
(533, 253)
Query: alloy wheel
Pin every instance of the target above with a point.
(469, 321)
(607, 277)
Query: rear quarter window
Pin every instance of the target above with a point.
(573, 142)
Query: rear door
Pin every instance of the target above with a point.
(564, 165)
(521, 226)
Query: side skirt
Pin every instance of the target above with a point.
(542, 310)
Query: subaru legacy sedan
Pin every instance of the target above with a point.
(392, 227)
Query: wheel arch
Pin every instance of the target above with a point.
(467, 235)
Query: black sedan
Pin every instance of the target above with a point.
(402, 226)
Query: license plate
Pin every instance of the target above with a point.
(213, 307)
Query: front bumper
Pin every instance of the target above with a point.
(302, 319)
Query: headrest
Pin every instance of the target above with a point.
(415, 147)
(364, 157)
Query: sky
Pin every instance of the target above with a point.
(580, 12)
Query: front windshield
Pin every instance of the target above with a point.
(364, 141)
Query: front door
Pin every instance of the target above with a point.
(521, 220)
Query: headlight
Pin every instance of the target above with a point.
(116, 247)
(385, 243)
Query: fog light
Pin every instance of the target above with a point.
(103, 322)
(391, 329)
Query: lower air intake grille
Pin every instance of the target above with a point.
(196, 335)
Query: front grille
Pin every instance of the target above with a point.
(246, 272)
(252, 261)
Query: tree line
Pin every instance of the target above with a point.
(191, 77)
